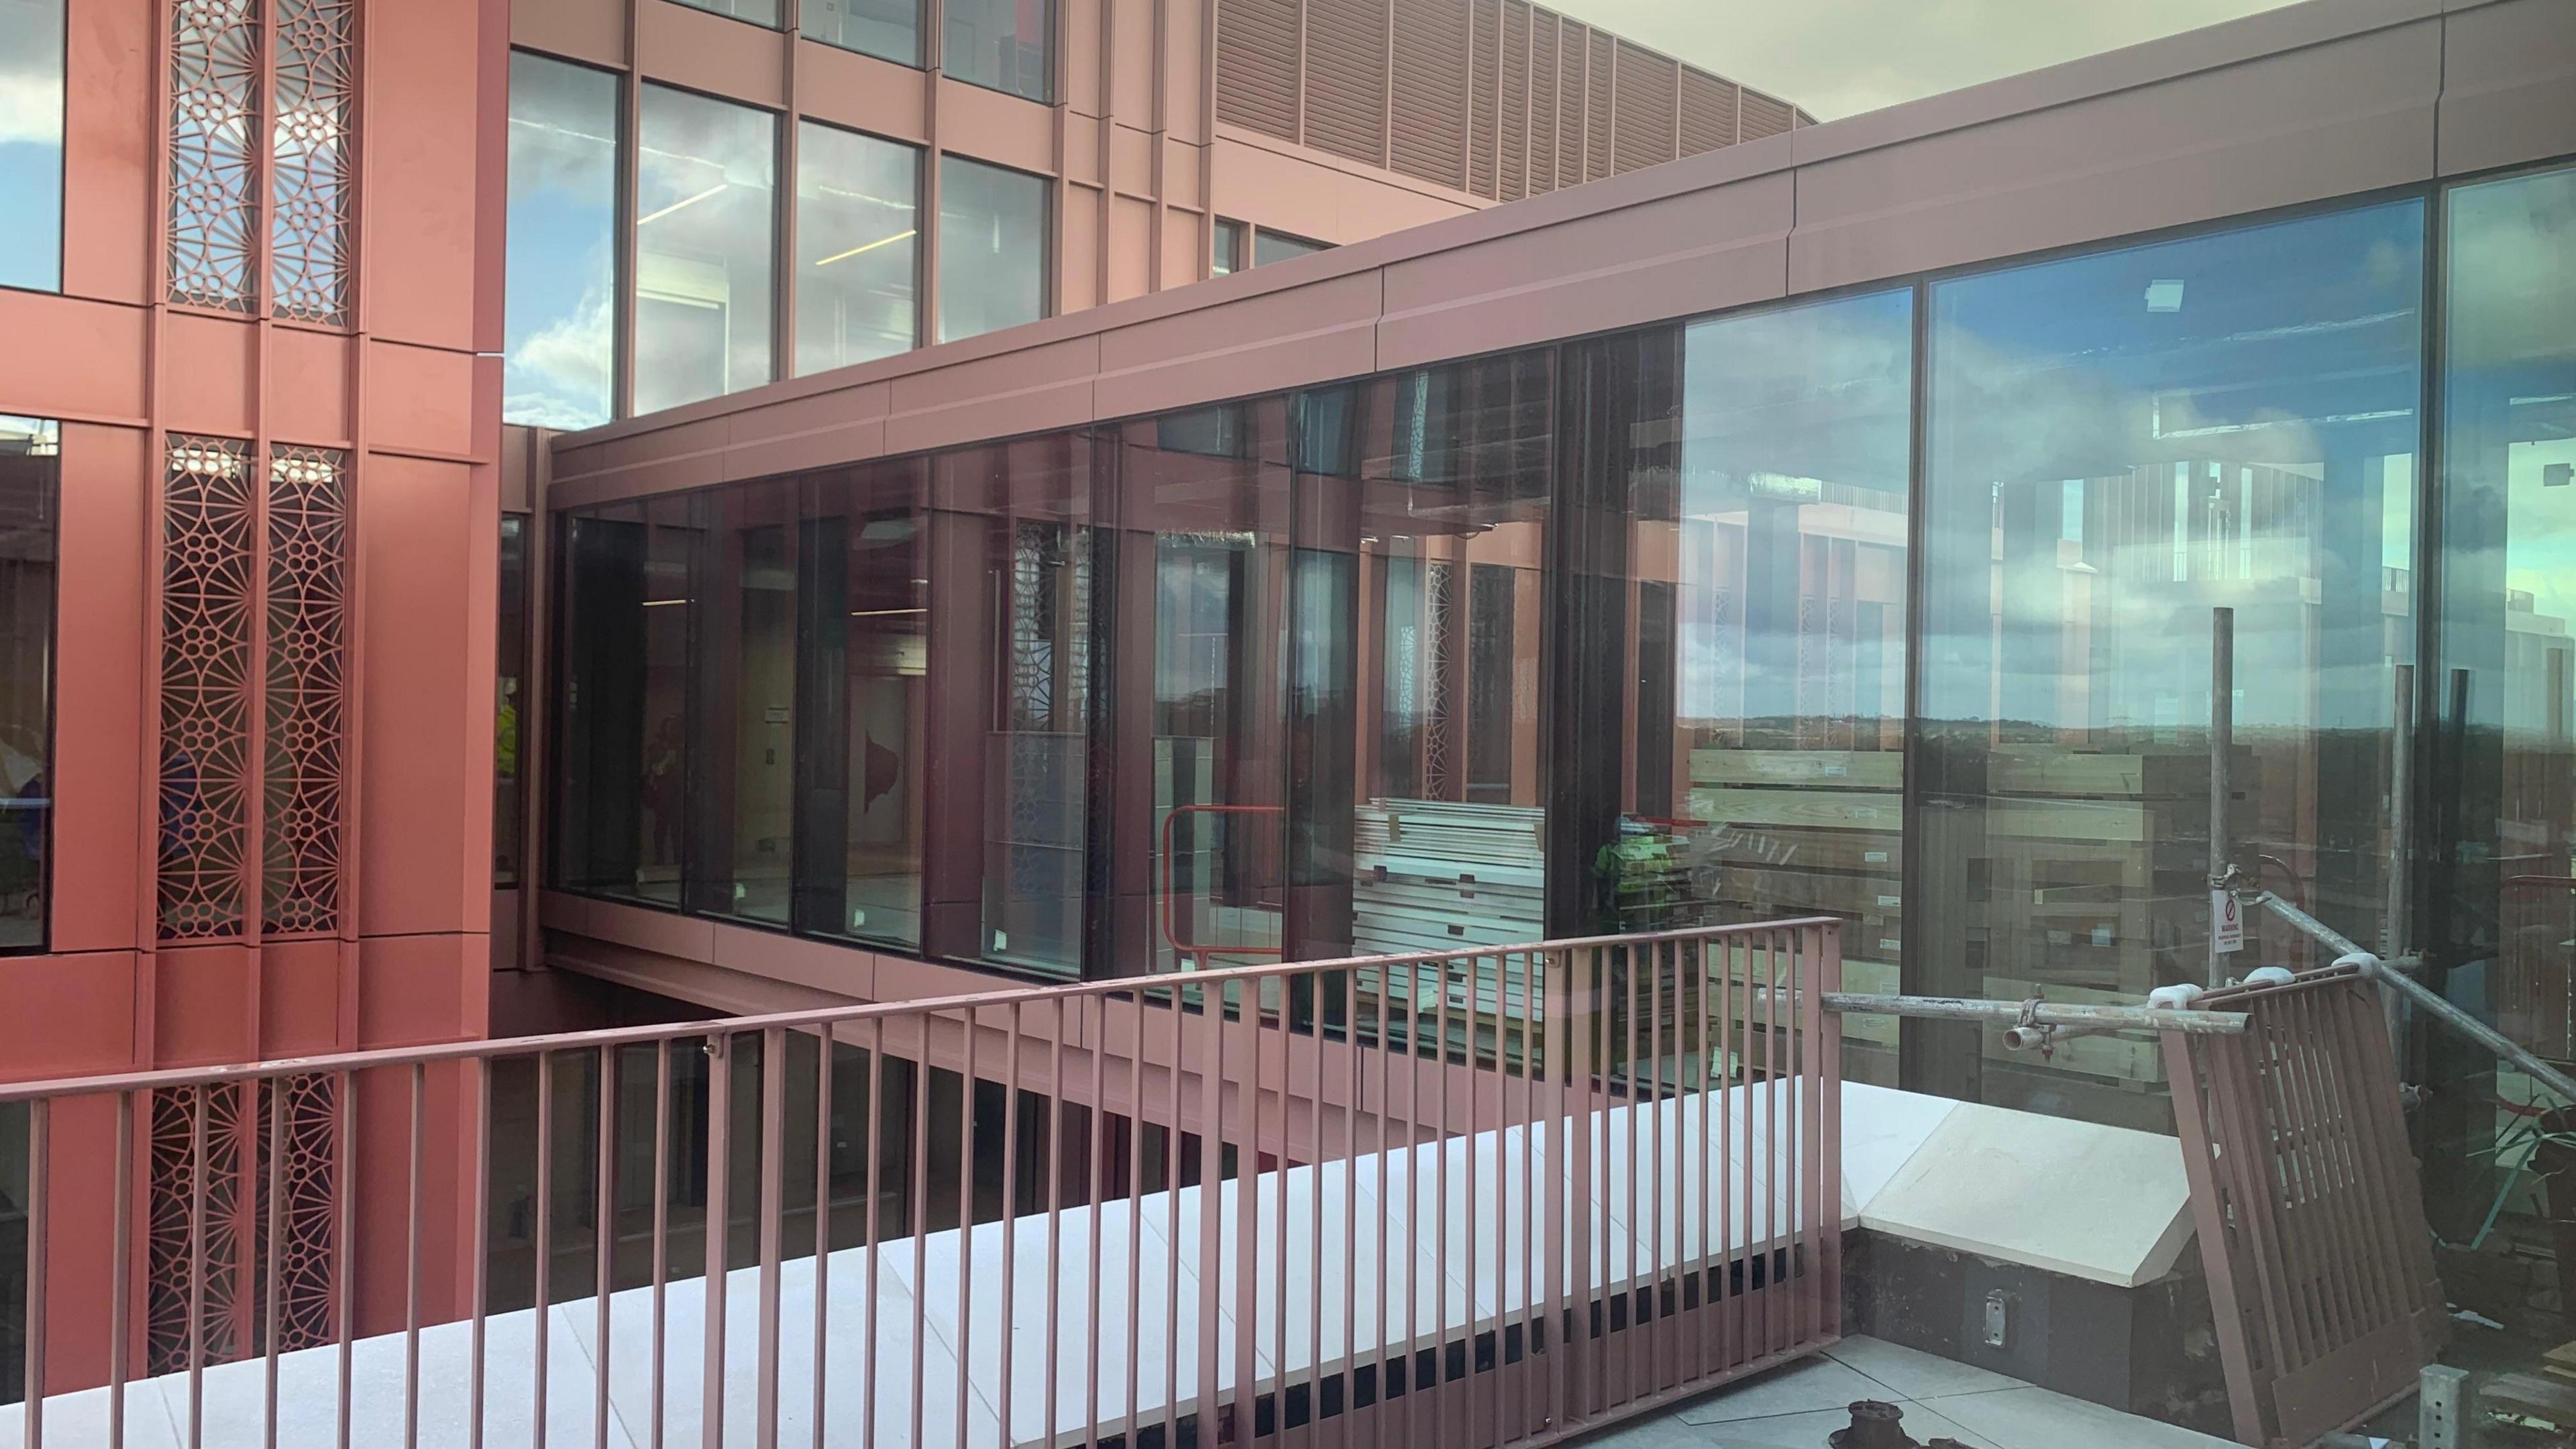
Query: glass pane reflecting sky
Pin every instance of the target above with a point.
(562, 257)
(31, 143)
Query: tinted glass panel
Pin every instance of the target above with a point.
(1417, 799)
(1005, 44)
(31, 143)
(2121, 445)
(1754, 612)
(758, 12)
(629, 589)
(560, 332)
(992, 248)
(703, 214)
(1274, 246)
(1228, 255)
(2504, 790)
(510, 658)
(30, 469)
(743, 677)
(887, 29)
(857, 240)
(863, 703)
(1014, 585)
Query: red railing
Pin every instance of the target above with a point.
(1493, 1197)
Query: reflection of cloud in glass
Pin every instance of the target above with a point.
(558, 375)
(31, 72)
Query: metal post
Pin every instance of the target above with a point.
(2442, 1413)
(2222, 733)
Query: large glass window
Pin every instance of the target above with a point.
(1008, 45)
(992, 248)
(1227, 256)
(1278, 246)
(758, 12)
(2122, 445)
(887, 29)
(704, 212)
(1015, 582)
(1418, 806)
(629, 589)
(858, 220)
(560, 307)
(31, 143)
(743, 678)
(2504, 785)
(1740, 625)
(510, 704)
(29, 522)
(863, 703)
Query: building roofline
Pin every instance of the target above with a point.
(2347, 104)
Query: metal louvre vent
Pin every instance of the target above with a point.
(1708, 112)
(1346, 99)
(1512, 182)
(1600, 76)
(1764, 116)
(1544, 111)
(1256, 59)
(1430, 95)
(1485, 73)
(1647, 97)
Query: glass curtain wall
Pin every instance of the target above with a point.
(2122, 445)
(559, 334)
(510, 705)
(1007, 45)
(742, 679)
(1278, 246)
(858, 222)
(886, 29)
(1196, 728)
(863, 701)
(31, 143)
(705, 174)
(758, 12)
(992, 248)
(2503, 780)
(630, 591)
(30, 521)
(1741, 596)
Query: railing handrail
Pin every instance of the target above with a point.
(468, 1049)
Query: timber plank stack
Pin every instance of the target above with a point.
(1440, 875)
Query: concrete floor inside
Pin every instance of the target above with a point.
(1798, 1407)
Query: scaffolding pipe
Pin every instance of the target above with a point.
(2222, 740)
(2037, 1013)
(2434, 1003)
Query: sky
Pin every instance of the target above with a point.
(1841, 57)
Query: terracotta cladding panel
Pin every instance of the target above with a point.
(1512, 180)
(1647, 96)
(1346, 97)
(1764, 116)
(1484, 72)
(1708, 112)
(1600, 75)
(1256, 60)
(1430, 93)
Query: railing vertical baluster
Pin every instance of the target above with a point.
(1384, 1328)
(1247, 1214)
(1055, 1119)
(1211, 1065)
(771, 1207)
(1440, 1138)
(197, 1226)
(411, 1253)
(1172, 1221)
(1279, 1181)
(478, 1268)
(966, 1084)
(273, 1251)
(1712, 1250)
(1135, 1190)
(661, 1233)
(1351, 1200)
(1750, 1149)
(544, 1244)
(826, 1045)
(917, 1218)
(1315, 1227)
(1413, 1199)
(120, 1272)
(1771, 1298)
(1829, 1188)
(603, 1252)
(716, 1242)
(872, 1241)
(1095, 1134)
(1659, 1265)
(1010, 1210)
(40, 1118)
(1639, 1274)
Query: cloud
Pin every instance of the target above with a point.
(558, 376)
(1842, 57)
